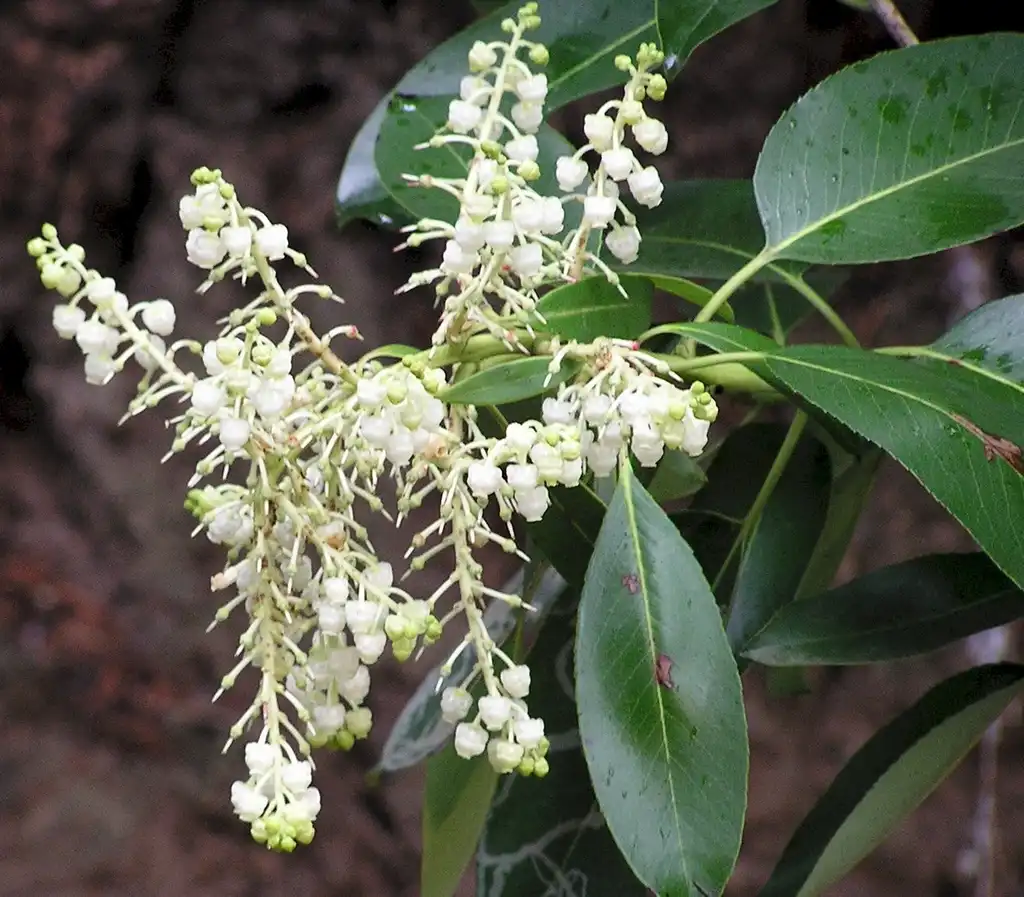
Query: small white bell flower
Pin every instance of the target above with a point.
(67, 319)
(532, 89)
(618, 163)
(529, 732)
(470, 740)
(481, 57)
(570, 172)
(234, 433)
(523, 149)
(527, 260)
(158, 316)
(237, 240)
(599, 211)
(463, 116)
(528, 117)
(624, 244)
(532, 503)
(495, 711)
(272, 241)
(646, 186)
(599, 130)
(651, 135)
(455, 704)
(483, 478)
(516, 680)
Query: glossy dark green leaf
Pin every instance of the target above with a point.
(660, 709)
(692, 292)
(895, 612)
(592, 308)
(678, 475)
(711, 524)
(702, 229)
(890, 776)
(781, 545)
(420, 731)
(685, 24)
(360, 193)
(991, 339)
(583, 37)
(544, 831)
(456, 800)
(851, 486)
(958, 432)
(568, 531)
(900, 155)
(509, 379)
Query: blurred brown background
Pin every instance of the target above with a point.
(111, 780)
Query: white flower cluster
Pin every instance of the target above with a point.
(308, 438)
(617, 163)
(617, 401)
(502, 725)
(508, 238)
(111, 331)
(278, 798)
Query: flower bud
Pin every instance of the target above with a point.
(359, 721)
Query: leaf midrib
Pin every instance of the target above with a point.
(775, 252)
(634, 534)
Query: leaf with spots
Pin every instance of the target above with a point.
(958, 431)
(901, 155)
(660, 709)
(990, 340)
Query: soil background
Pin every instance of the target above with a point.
(111, 780)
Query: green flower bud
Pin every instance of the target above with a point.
(226, 190)
(539, 54)
(51, 275)
(402, 649)
(508, 25)
(70, 281)
(49, 232)
(656, 87)
(36, 247)
(396, 628)
(499, 185)
(527, 766)
(344, 740)
(623, 63)
(529, 170)
(540, 768)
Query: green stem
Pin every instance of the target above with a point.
(821, 306)
(726, 290)
(752, 517)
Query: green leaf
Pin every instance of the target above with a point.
(456, 800)
(392, 350)
(956, 431)
(702, 229)
(420, 731)
(990, 339)
(895, 612)
(712, 522)
(890, 776)
(684, 25)
(510, 378)
(581, 63)
(551, 830)
(900, 155)
(668, 760)
(568, 531)
(678, 475)
(780, 547)
(692, 292)
(849, 493)
(592, 308)
(360, 193)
